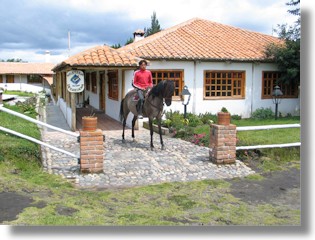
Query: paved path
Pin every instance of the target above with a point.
(133, 163)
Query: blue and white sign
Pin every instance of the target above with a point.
(75, 81)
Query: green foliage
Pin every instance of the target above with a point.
(287, 55)
(262, 113)
(207, 118)
(130, 40)
(155, 26)
(224, 109)
(116, 46)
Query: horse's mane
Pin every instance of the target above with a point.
(157, 89)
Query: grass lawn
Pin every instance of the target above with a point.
(57, 202)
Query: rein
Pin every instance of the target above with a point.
(158, 107)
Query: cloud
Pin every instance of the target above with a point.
(39, 25)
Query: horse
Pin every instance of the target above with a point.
(152, 107)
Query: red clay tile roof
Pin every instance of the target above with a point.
(100, 56)
(26, 68)
(199, 39)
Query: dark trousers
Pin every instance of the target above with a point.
(141, 100)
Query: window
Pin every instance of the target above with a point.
(10, 78)
(34, 79)
(88, 81)
(176, 76)
(270, 80)
(224, 84)
(93, 82)
(113, 84)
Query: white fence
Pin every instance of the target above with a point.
(266, 127)
(40, 123)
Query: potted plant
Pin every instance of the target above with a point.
(224, 117)
(89, 123)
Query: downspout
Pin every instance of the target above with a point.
(252, 90)
(194, 88)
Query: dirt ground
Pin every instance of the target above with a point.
(277, 188)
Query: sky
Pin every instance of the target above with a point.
(29, 28)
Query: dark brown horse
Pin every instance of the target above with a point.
(152, 107)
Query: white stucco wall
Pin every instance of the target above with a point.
(193, 78)
(20, 84)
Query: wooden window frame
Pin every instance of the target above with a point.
(88, 81)
(224, 84)
(94, 82)
(10, 78)
(177, 75)
(270, 80)
(113, 85)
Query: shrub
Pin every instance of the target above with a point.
(205, 118)
(262, 113)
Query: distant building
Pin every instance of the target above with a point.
(29, 77)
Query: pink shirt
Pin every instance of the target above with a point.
(142, 79)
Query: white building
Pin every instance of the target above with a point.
(221, 65)
(26, 77)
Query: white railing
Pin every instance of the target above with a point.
(40, 123)
(267, 127)
(37, 141)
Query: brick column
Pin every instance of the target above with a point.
(91, 151)
(222, 143)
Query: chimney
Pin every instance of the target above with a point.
(47, 56)
(138, 35)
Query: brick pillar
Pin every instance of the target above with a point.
(222, 143)
(91, 151)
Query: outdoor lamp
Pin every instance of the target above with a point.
(276, 98)
(185, 98)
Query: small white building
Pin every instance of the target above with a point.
(222, 66)
(26, 77)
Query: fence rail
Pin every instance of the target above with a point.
(34, 139)
(38, 122)
(38, 141)
(267, 127)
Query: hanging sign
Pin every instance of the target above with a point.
(75, 81)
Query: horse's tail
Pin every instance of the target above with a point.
(121, 112)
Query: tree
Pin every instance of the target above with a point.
(116, 46)
(155, 26)
(12, 60)
(287, 55)
(130, 40)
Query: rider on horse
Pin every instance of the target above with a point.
(142, 81)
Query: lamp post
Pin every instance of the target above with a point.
(276, 98)
(1, 91)
(185, 98)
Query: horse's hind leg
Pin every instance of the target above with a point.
(133, 127)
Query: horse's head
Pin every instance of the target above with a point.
(168, 91)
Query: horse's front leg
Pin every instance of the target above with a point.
(123, 134)
(151, 133)
(160, 132)
(133, 127)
